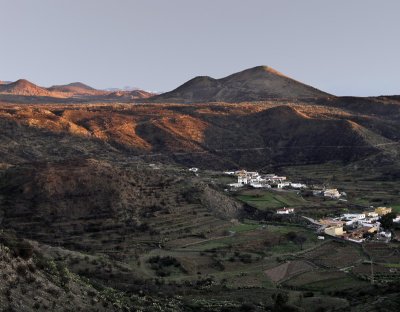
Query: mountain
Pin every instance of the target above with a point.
(254, 84)
(130, 95)
(76, 88)
(72, 87)
(24, 87)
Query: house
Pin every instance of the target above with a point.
(283, 184)
(273, 178)
(371, 214)
(318, 192)
(331, 222)
(381, 211)
(242, 179)
(249, 177)
(374, 227)
(358, 235)
(285, 211)
(259, 185)
(235, 185)
(387, 234)
(297, 185)
(331, 193)
(334, 230)
(352, 216)
(229, 172)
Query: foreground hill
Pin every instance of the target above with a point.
(95, 200)
(254, 84)
(96, 212)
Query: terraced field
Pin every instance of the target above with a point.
(288, 270)
(330, 280)
(335, 255)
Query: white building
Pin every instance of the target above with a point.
(285, 211)
(352, 216)
(242, 179)
(371, 214)
(331, 193)
(229, 172)
(297, 185)
(283, 184)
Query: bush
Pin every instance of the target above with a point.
(19, 247)
(22, 269)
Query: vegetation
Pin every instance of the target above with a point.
(99, 210)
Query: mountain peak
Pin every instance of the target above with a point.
(23, 82)
(264, 68)
(254, 84)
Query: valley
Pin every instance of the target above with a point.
(98, 205)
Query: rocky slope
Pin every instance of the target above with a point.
(214, 136)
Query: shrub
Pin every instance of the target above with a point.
(21, 269)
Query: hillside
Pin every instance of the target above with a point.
(215, 136)
(254, 84)
(98, 208)
(96, 200)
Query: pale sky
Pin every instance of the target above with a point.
(345, 47)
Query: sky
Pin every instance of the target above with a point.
(344, 47)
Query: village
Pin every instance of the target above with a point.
(271, 180)
(355, 227)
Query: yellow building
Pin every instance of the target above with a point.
(334, 230)
(381, 211)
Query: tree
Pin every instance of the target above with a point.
(387, 220)
(300, 240)
(291, 236)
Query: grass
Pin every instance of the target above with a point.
(335, 284)
(324, 280)
(391, 265)
(271, 200)
(396, 208)
(244, 227)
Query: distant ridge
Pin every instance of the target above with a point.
(24, 87)
(76, 88)
(254, 84)
(73, 85)
(131, 95)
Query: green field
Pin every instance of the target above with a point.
(396, 208)
(265, 200)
